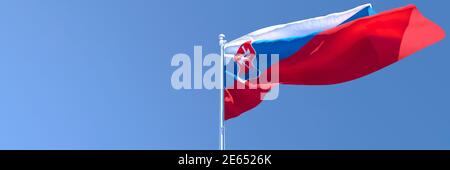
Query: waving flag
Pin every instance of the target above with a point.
(325, 50)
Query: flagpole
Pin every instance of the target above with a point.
(222, 42)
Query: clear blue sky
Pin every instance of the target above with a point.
(95, 74)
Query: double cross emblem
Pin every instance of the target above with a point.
(244, 58)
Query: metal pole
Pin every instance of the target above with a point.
(222, 126)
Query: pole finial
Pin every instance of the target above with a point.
(222, 40)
